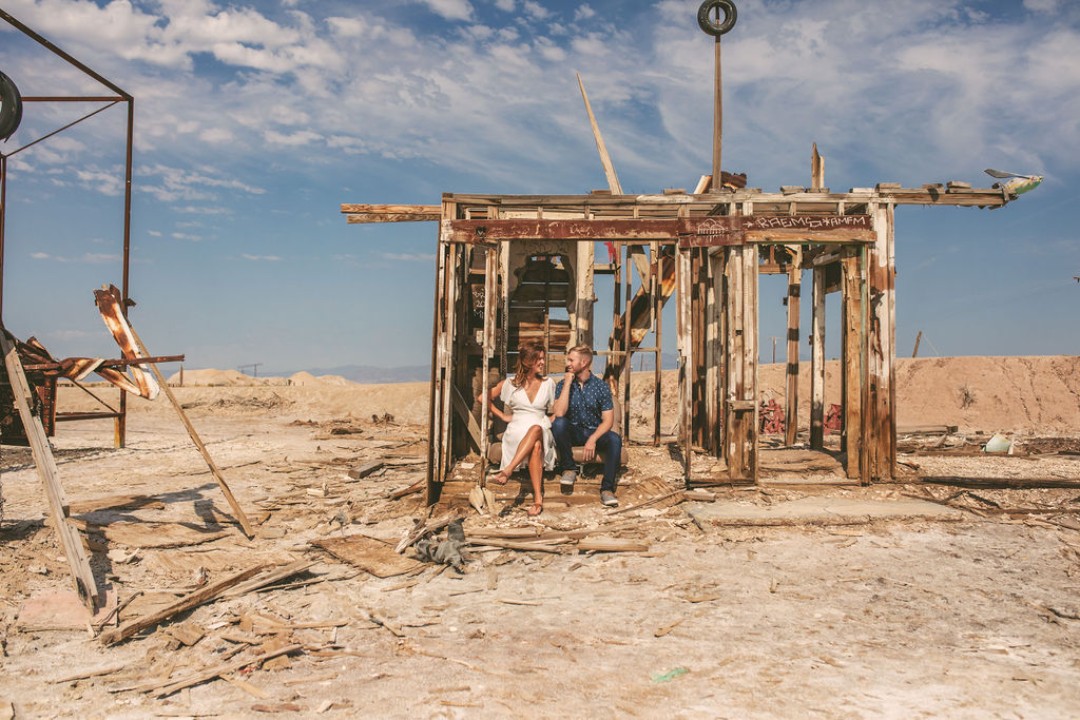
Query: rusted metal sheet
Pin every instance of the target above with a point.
(140, 382)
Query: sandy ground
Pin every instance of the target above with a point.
(789, 601)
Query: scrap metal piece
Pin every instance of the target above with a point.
(111, 308)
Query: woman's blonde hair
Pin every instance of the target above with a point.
(528, 352)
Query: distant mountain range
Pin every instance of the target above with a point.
(365, 374)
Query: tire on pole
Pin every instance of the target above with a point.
(10, 107)
(713, 27)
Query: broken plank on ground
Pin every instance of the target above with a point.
(373, 556)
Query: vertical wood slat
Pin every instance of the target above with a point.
(438, 389)
(490, 276)
(752, 354)
(713, 355)
(686, 356)
(854, 362)
(452, 286)
(882, 346)
(658, 320)
(817, 364)
(791, 394)
(78, 561)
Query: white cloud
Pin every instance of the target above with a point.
(84, 259)
(535, 10)
(296, 139)
(505, 5)
(261, 258)
(408, 257)
(1043, 6)
(584, 12)
(450, 9)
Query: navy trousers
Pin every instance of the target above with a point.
(609, 445)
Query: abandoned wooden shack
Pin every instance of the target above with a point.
(511, 268)
(519, 267)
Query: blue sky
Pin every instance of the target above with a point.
(255, 120)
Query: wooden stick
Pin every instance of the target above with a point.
(528, 546)
(280, 574)
(653, 501)
(82, 575)
(237, 510)
(611, 545)
(206, 594)
(170, 687)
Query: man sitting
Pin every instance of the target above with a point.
(584, 415)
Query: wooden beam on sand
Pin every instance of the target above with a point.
(203, 595)
(78, 561)
(241, 517)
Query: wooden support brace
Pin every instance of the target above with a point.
(241, 517)
(81, 574)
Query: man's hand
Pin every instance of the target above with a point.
(589, 451)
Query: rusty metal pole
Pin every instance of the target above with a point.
(718, 121)
(120, 435)
(717, 26)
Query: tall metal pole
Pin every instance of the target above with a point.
(710, 20)
(718, 121)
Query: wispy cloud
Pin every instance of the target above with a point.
(84, 259)
(261, 258)
(408, 257)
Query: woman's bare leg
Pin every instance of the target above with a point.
(536, 475)
(525, 447)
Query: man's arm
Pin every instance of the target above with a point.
(607, 420)
(562, 400)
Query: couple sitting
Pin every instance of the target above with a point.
(545, 420)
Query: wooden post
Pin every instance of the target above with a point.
(78, 561)
(882, 347)
(791, 395)
(853, 362)
(438, 389)
(817, 364)
(741, 415)
(241, 517)
(491, 275)
(918, 339)
(658, 316)
(686, 355)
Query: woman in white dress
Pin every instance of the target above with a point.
(528, 399)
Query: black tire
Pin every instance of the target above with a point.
(11, 107)
(709, 25)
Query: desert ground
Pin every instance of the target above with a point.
(803, 597)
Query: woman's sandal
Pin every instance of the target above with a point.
(495, 478)
(535, 510)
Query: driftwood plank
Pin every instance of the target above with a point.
(204, 595)
(366, 469)
(370, 555)
(78, 561)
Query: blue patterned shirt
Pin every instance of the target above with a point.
(588, 401)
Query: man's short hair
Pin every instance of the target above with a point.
(585, 350)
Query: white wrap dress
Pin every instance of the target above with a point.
(525, 414)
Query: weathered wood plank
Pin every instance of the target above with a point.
(78, 561)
